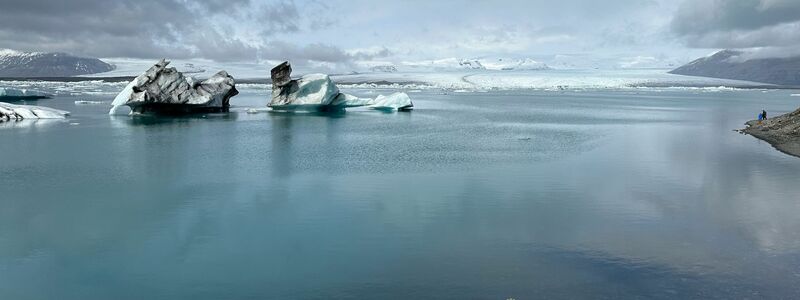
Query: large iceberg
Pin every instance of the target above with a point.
(11, 94)
(165, 90)
(310, 92)
(316, 92)
(14, 112)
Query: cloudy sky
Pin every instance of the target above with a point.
(351, 32)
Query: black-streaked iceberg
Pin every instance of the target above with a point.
(165, 90)
(15, 112)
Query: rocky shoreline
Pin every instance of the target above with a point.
(782, 132)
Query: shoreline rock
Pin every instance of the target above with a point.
(782, 132)
(164, 90)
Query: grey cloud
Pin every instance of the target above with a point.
(139, 28)
(281, 16)
(317, 52)
(738, 23)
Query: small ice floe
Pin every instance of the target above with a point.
(794, 95)
(253, 111)
(86, 102)
(74, 123)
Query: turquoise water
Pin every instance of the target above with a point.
(529, 194)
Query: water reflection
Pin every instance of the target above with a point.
(608, 199)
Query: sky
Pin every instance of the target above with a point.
(348, 33)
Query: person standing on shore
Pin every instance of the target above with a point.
(764, 114)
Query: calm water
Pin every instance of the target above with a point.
(605, 194)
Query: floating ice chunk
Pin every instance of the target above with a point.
(795, 95)
(313, 92)
(257, 110)
(10, 111)
(162, 89)
(316, 92)
(87, 102)
(396, 101)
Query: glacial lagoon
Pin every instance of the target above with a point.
(628, 193)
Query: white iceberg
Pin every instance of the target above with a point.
(9, 112)
(316, 92)
(396, 101)
(313, 92)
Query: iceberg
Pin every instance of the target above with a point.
(313, 92)
(165, 90)
(316, 92)
(393, 102)
(14, 112)
(10, 94)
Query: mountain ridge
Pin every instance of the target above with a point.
(48, 64)
(734, 64)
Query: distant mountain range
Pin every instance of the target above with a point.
(461, 64)
(732, 64)
(39, 64)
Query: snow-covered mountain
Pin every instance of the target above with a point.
(190, 68)
(384, 69)
(732, 64)
(458, 64)
(508, 64)
(39, 64)
(446, 64)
